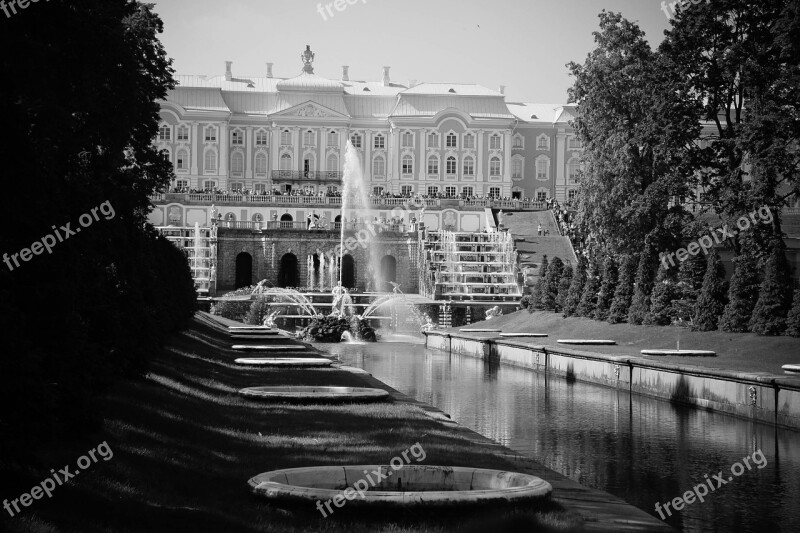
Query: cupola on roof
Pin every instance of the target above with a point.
(307, 81)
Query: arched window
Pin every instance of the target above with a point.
(379, 166)
(433, 165)
(469, 141)
(408, 165)
(182, 160)
(333, 164)
(517, 164)
(333, 139)
(451, 165)
(237, 163)
(261, 164)
(210, 161)
(495, 167)
(469, 166)
(451, 141)
(355, 140)
(542, 168)
(573, 167)
(286, 162)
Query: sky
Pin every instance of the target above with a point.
(522, 44)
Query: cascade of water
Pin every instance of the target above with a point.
(310, 272)
(321, 271)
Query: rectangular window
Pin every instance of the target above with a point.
(182, 184)
(452, 141)
(433, 166)
(407, 190)
(494, 167)
(451, 166)
(211, 135)
(495, 143)
(333, 139)
(469, 141)
(377, 191)
(494, 192)
(543, 143)
(183, 133)
(541, 196)
(261, 138)
(541, 170)
(467, 191)
(286, 138)
(379, 142)
(180, 161)
(450, 191)
(209, 185)
(433, 190)
(574, 144)
(408, 165)
(260, 188)
(408, 139)
(516, 169)
(571, 195)
(469, 167)
(237, 186)
(433, 140)
(308, 138)
(163, 133)
(237, 138)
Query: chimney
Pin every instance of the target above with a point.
(228, 73)
(386, 76)
(502, 89)
(345, 73)
(269, 69)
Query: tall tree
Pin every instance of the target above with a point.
(793, 319)
(711, 302)
(550, 293)
(742, 294)
(636, 126)
(576, 287)
(563, 286)
(774, 301)
(539, 289)
(665, 291)
(643, 285)
(588, 304)
(607, 289)
(623, 295)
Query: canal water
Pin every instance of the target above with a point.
(642, 450)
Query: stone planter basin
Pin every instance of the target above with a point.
(512, 335)
(316, 394)
(791, 369)
(409, 486)
(703, 353)
(480, 330)
(586, 342)
(284, 361)
(267, 347)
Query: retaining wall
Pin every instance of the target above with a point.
(759, 396)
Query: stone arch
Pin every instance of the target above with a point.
(387, 272)
(348, 271)
(289, 272)
(244, 270)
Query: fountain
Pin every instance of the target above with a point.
(390, 299)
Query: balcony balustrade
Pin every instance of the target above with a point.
(308, 176)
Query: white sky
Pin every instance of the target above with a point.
(523, 44)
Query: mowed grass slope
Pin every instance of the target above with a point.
(185, 445)
(745, 352)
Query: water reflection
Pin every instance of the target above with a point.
(640, 449)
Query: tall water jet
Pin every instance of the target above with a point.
(310, 271)
(321, 270)
(356, 206)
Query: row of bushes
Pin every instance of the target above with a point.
(693, 294)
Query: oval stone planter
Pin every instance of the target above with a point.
(408, 486)
(791, 369)
(316, 394)
(480, 330)
(703, 353)
(586, 342)
(523, 335)
(284, 361)
(267, 347)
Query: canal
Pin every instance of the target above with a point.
(642, 450)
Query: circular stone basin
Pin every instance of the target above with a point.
(325, 394)
(791, 369)
(283, 361)
(408, 486)
(705, 353)
(523, 334)
(480, 330)
(268, 347)
(586, 341)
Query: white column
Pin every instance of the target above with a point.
(248, 161)
(506, 190)
(422, 160)
(368, 156)
(197, 144)
(274, 145)
(391, 157)
(297, 139)
(223, 153)
(479, 157)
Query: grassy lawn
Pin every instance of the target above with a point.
(185, 444)
(735, 351)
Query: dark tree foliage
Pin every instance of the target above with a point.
(774, 301)
(539, 289)
(80, 112)
(711, 302)
(588, 303)
(623, 295)
(576, 287)
(665, 291)
(607, 289)
(551, 282)
(643, 285)
(793, 320)
(563, 286)
(742, 295)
